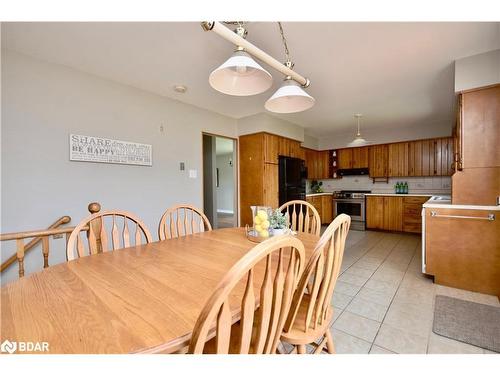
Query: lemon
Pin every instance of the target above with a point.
(264, 233)
(258, 228)
(262, 215)
(257, 220)
(265, 224)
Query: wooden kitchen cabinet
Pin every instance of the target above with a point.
(318, 164)
(374, 212)
(326, 209)
(259, 170)
(398, 159)
(271, 148)
(477, 152)
(356, 157)
(317, 202)
(378, 160)
(412, 213)
(394, 213)
(462, 249)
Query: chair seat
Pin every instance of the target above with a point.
(297, 335)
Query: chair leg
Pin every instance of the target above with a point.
(329, 342)
(301, 349)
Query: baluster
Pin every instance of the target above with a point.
(115, 236)
(138, 239)
(20, 256)
(185, 222)
(45, 251)
(301, 220)
(223, 334)
(308, 220)
(318, 277)
(79, 246)
(126, 233)
(172, 225)
(103, 237)
(266, 294)
(95, 226)
(277, 302)
(247, 315)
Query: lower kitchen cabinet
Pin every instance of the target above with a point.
(395, 213)
(324, 205)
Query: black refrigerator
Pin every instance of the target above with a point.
(292, 179)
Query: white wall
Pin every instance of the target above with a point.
(225, 190)
(477, 71)
(43, 103)
(262, 122)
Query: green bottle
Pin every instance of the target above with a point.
(406, 187)
(398, 187)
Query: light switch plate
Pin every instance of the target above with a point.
(193, 173)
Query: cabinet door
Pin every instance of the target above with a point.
(415, 158)
(481, 128)
(378, 161)
(360, 157)
(271, 148)
(271, 185)
(374, 212)
(317, 203)
(284, 146)
(447, 156)
(325, 164)
(344, 158)
(398, 159)
(393, 213)
(427, 169)
(302, 153)
(326, 209)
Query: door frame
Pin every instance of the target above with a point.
(236, 166)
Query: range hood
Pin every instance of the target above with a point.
(353, 171)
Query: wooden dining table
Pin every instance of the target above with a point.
(143, 299)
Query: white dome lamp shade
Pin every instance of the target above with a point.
(359, 140)
(240, 75)
(289, 98)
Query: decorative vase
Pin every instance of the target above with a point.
(260, 215)
(279, 232)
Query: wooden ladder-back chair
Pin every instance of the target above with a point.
(273, 269)
(182, 220)
(97, 234)
(303, 217)
(311, 312)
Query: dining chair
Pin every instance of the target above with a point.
(303, 217)
(311, 312)
(97, 234)
(182, 220)
(273, 269)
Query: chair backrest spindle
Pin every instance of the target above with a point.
(182, 220)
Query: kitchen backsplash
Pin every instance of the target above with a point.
(434, 185)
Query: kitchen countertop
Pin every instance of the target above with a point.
(402, 195)
(317, 194)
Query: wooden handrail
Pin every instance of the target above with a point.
(38, 237)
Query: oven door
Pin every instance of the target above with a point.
(355, 208)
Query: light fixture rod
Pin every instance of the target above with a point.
(237, 40)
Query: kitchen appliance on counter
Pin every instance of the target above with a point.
(292, 179)
(352, 203)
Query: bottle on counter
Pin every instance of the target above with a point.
(405, 188)
(397, 187)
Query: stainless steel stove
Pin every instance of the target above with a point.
(352, 203)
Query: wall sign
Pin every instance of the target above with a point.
(104, 150)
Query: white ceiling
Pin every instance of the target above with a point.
(396, 74)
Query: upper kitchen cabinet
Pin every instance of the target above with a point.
(398, 159)
(356, 157)
(479, 128)
(271, 148)
(317, 163)
(430, 157)
(378, 160)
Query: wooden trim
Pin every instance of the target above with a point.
(477, 88)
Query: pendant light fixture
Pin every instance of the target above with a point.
(240, 75)
(290, 97)
(359, 140)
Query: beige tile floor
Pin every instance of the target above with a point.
(384, 305)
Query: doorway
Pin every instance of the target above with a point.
(220, 181)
